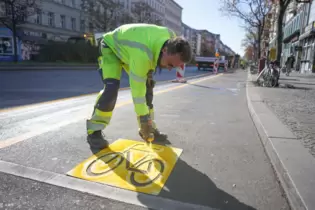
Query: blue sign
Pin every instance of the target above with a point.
(7, 45)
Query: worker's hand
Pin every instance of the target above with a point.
(146, 128)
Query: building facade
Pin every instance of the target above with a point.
(298, 34)
(56, 20)
(173, 16)
(307, 40)
(291, 32)
(157, 8)
(208, 42)
(167, 11)
(191, 35)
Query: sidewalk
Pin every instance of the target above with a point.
(295, 106)
(285, 119)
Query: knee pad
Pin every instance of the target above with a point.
(108, 99)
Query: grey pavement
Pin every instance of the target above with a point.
(295, 106)
(27, 87)
(284, 118)
(22, 193)
(223, 164)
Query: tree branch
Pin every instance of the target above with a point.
(5, 24)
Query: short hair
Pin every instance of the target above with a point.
(179, 45)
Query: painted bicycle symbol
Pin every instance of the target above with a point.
(140, 161)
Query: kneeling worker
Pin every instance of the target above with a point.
(139, 49)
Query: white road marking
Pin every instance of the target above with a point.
(74, 119)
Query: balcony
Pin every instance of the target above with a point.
(292, 28)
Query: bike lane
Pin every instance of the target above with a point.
(222, 163)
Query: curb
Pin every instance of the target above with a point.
(293, 164)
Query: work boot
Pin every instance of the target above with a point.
(158, 136)
(97, 140)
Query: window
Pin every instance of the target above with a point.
(63, 1)
(51, 19)
(82, 25)
(91, 26)
(63, 21)
(299, 22)
(73, 24)
(6, 46)
(73, 3)
(127, 4)
(38, 19)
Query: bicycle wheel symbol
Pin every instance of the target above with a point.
(105, 164)
(154, 169)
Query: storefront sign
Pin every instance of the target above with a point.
(310, 27)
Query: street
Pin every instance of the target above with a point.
(26, 87)
(223, 164)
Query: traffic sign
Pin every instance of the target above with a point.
(131, 165)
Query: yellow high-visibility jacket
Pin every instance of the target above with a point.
(138, 46)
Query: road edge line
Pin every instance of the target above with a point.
(285, 166)
(94, 188)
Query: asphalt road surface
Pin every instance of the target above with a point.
(222, 166)
(26, 87)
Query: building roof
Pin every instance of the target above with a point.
(176, 4)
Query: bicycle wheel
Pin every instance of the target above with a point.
(139, 179)
(105, 164)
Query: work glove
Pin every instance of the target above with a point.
(150, 81)
(146, 128)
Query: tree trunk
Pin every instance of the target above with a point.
(258, 45)
(279, 34)
(15, 42)
(255, 52)
(15, 57)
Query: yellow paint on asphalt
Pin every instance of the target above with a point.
(130, 165)
(31, 134)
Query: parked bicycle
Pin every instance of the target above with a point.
(270, 75)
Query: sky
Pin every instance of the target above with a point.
(205, 14)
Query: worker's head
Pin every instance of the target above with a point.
(175, 53)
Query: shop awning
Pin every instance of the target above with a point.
(306, 34)
(38, 40)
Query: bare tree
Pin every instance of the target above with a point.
(16, 13)
(249, 53)
(103, 15)
(251, 40)
(251, 12)
(144, 13)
